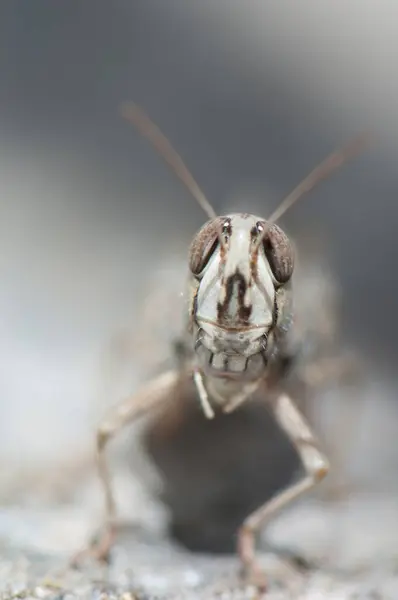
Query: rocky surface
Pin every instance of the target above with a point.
(340, 551)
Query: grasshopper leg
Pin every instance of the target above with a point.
(151, 395)
(316, 466)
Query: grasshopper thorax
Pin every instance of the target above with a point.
(239, 293)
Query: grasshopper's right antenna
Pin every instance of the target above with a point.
(322, 171)
(152, 133)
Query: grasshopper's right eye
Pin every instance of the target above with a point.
(279, 252)
(204, 244)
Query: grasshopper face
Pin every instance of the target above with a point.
(241, 266)
(239, 293)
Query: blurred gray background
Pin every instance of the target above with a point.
(253, 95)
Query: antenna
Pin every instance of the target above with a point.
(333, 162)
(152, 133)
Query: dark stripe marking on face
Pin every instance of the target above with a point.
(244, 312)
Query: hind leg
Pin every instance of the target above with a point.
(151, 395)
(316, 466)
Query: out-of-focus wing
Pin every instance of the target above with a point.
(147, 345)
(162, 322)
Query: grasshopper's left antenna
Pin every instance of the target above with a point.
(149, 130)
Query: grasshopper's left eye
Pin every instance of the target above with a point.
(204, 244)
(279, 252)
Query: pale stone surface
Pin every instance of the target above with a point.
(351, 550)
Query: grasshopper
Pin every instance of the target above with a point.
(239, 337)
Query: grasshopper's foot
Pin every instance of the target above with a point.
(99, 550)
(253, 575)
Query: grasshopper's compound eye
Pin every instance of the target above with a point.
(278, 251)
(204, 244)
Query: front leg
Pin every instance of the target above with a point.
(241, 397)
(202, 393)
(152, 394)
(225, 393)
(316, 466)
